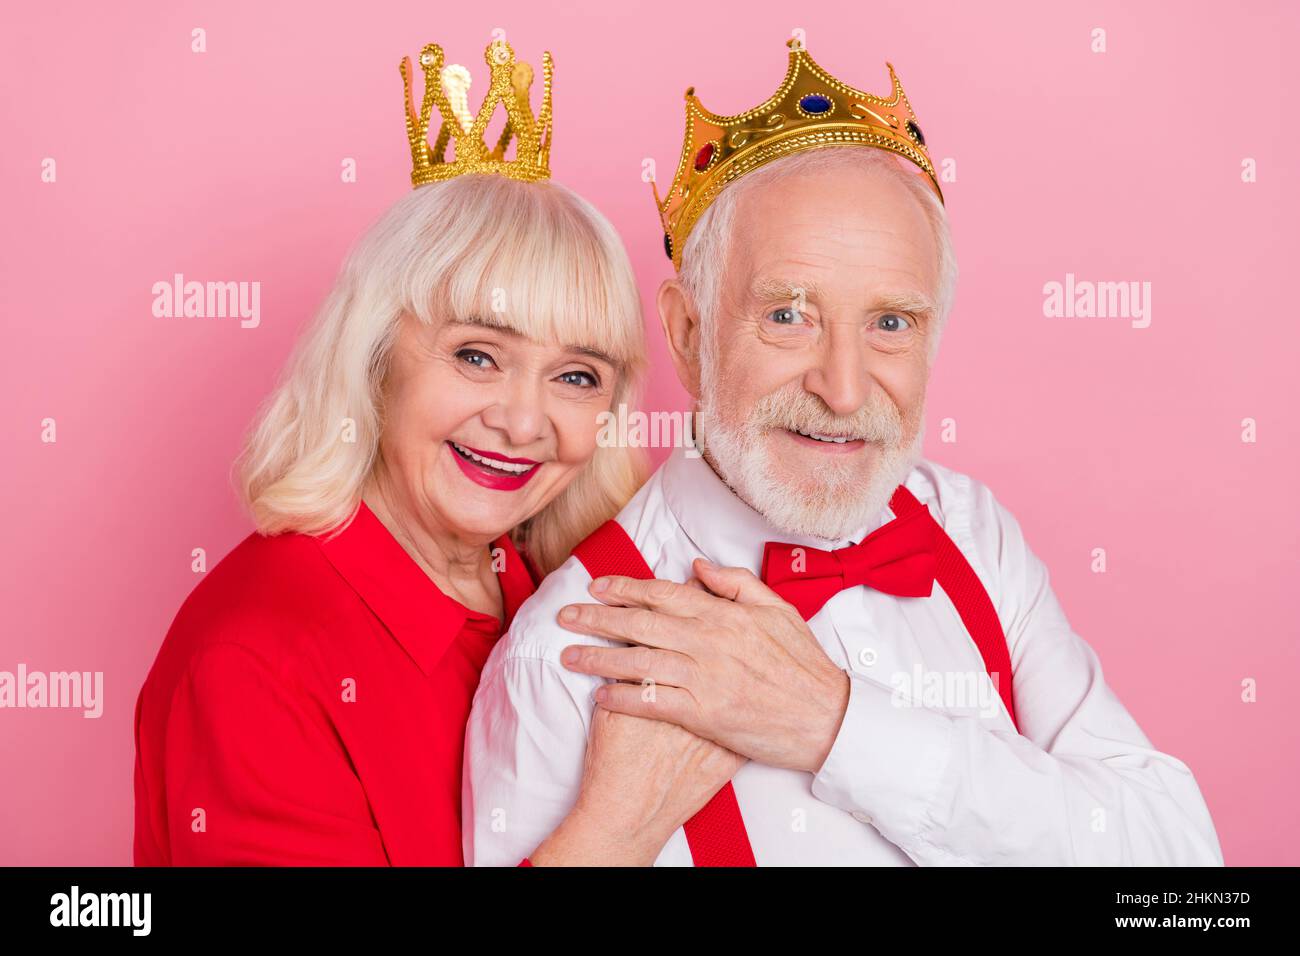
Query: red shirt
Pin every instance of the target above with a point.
(308, 707)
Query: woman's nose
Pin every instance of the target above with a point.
(519, 413)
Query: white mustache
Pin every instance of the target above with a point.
(797, 410)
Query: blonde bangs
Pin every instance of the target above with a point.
(534, 263)
(535, 257)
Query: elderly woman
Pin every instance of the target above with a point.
(431, 452)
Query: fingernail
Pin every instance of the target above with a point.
(568, 613)
(600, 694)
(570, 655)
(600, 584)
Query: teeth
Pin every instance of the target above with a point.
(836, 439)
(494, 462)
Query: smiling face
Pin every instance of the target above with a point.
(484, 427)
(812, 389)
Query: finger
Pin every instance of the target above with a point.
(656, 702)
(631, 625)
(667, 597)
(735, 584)
(640, 664)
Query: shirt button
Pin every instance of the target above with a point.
(861, 817)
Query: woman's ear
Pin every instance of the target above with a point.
(682, 333)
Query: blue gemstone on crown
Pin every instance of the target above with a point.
(815, 104)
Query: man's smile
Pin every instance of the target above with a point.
(830, 444)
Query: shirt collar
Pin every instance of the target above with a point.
(724, 528)
(423, 619)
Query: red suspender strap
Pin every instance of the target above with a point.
(716, 835)
(962, 585)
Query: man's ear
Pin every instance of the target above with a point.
(682, 333)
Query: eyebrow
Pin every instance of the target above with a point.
(487, 322)
(500, 325)
(915, 302)
(592, 353)
(765, 288)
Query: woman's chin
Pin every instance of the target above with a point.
(467, 520)
(473, 509)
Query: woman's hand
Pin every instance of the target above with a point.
(642, 780)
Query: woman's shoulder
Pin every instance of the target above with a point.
(270, 597)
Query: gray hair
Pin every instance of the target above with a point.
(704, 256)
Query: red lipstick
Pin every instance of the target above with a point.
(484, 474)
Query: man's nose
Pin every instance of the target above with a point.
(840, 378)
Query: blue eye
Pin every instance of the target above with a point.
(898, 324)
(475, 358)
(786, 316)
(579, 378)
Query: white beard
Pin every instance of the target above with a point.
(835, 502)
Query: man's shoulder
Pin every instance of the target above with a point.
(981, 526)
(535, 632)
(959, 501)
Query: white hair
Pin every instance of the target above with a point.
(467, 246)
(840, 503)
(704, 256)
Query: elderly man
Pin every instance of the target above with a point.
(869, 628)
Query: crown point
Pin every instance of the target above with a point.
(521, 78)
(800, 115)
(446, 90)
(456, 80)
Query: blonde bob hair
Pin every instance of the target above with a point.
(463, 247)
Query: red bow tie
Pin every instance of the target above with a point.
(897, 558)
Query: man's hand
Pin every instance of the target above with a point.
(729, 661)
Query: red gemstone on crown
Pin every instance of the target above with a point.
(704, 157)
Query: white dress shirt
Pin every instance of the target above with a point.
(927, 767)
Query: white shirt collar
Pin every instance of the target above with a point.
(724, 528)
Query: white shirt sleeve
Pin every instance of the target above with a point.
(526, 740)
(1082, 786)
(524, 749)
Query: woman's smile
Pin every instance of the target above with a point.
(491, 470)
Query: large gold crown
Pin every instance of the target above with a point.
(811, 109)
(448, 90)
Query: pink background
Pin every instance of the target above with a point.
(226, 166)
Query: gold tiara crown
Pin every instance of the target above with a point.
(447, 88)
(810, 109)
